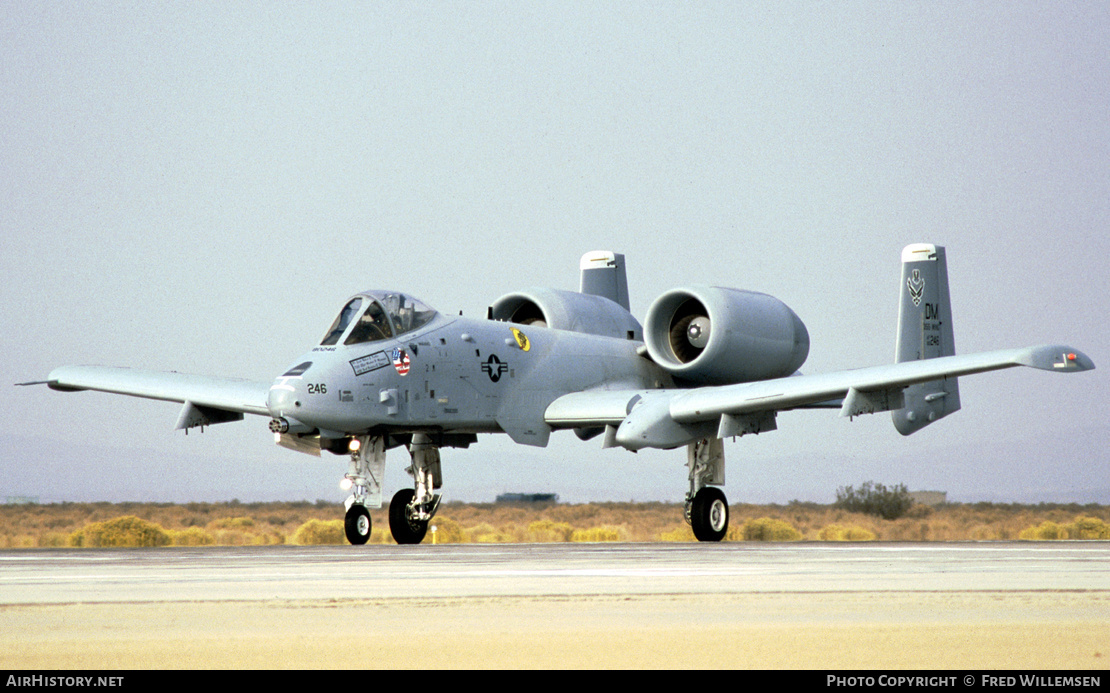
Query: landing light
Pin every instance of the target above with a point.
(354, 445)
(346, 484)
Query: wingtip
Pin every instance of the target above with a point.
(1058, 358)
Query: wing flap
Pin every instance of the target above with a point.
(205, 392)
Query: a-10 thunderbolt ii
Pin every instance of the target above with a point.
(709, 363)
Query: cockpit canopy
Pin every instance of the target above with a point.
(376, 315)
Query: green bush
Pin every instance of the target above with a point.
(121, 531)
(875, 499)
(320, 532)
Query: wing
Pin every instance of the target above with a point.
(207, 400)
(670, 418)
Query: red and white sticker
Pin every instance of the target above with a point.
(400, 361)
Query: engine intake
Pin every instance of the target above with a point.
(714, 335)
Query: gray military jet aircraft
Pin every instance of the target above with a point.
(708, 364)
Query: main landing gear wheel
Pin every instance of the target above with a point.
(709, 514)
(404, 529)
(356, 524)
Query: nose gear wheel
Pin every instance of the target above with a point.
(357, 524)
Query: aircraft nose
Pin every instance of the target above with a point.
(283, 398)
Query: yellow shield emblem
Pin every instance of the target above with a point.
(521, 340)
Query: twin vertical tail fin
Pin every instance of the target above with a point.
(603, 275)
(925, 332)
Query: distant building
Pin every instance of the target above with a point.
(528, 498)
(929, 497)
(22, 500)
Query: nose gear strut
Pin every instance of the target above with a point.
(365, 475)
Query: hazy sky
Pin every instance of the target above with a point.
(200, 186)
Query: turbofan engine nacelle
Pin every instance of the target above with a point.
(714, 335)
(567, 310)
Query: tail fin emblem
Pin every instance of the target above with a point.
(916, 286)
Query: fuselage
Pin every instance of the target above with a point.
(450, 374)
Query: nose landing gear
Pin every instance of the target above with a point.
(364, 477)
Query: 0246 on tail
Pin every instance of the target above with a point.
(709, 363)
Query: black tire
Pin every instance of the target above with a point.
(357, 524)
(404, 530)
(709, 514)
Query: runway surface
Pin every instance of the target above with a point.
(990, 604)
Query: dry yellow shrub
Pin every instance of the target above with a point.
(1081, 528)
(769, 529)
(1088, 528)
(121, 531)
(1043, 531)
(485, 533)
(549, 531)
(232, 523)
(842, 533)
(193, 536)
(681, 533)
(447, 532)
(595, 534)
(320, 532)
